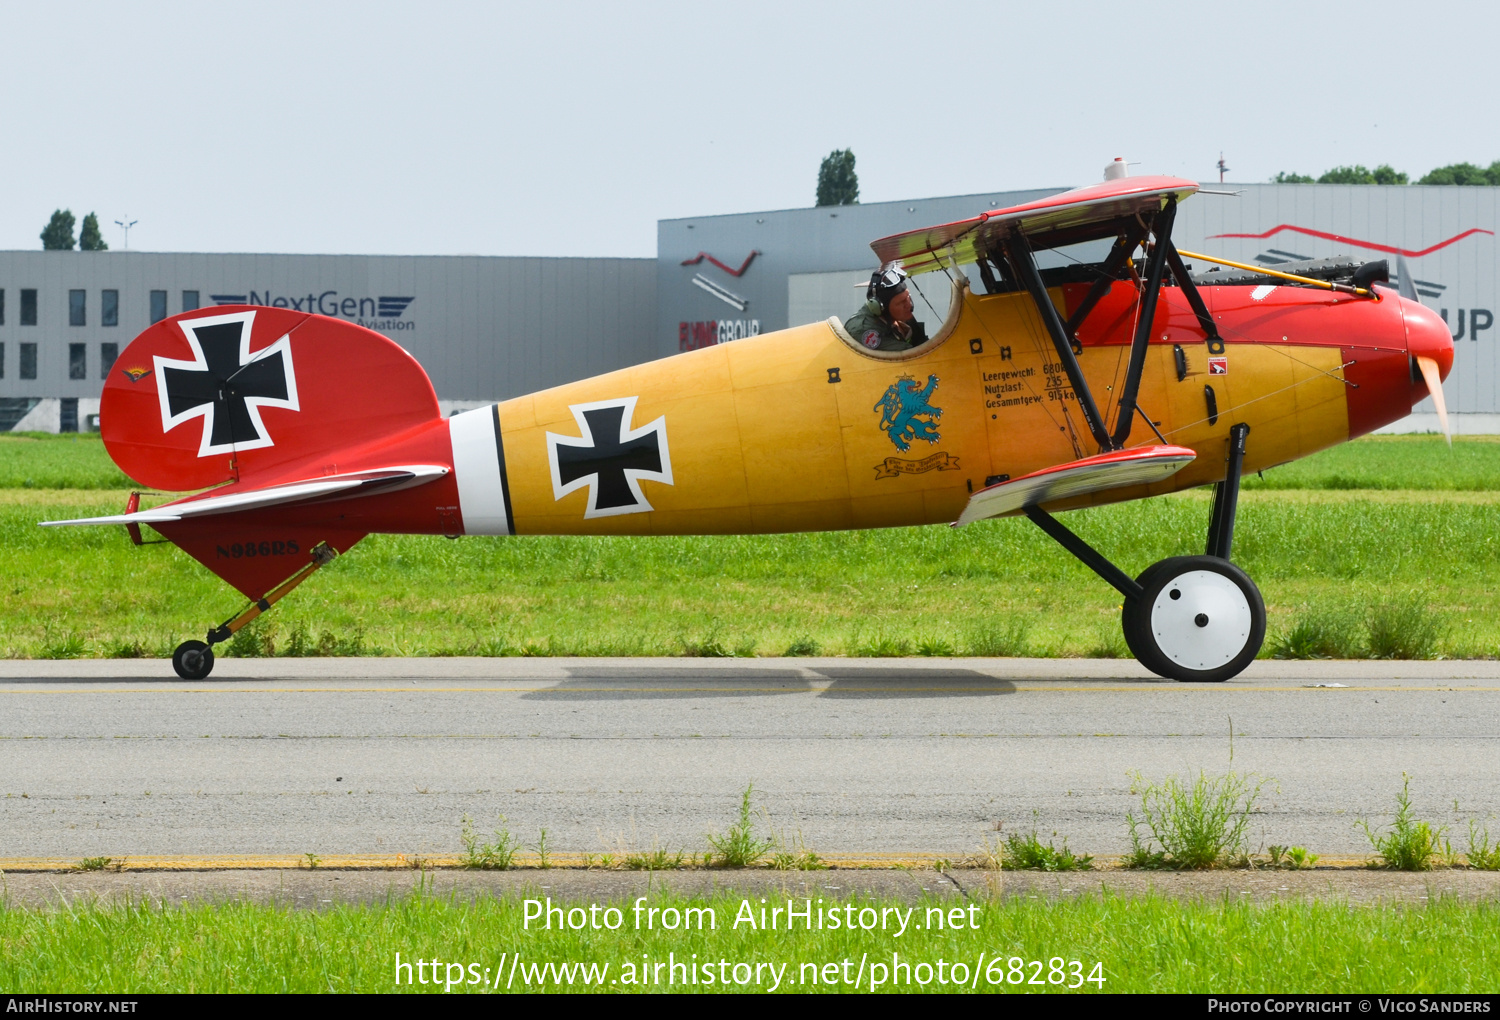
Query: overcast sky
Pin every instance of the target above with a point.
(570, 129)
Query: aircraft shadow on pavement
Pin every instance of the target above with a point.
(892, 682)
(637, 683)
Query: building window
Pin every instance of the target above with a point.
(190, 301)
(109, 308)
(28, 307)
(28, 361)
(2, 361)
(107, 355)
(158, 305)
(77, 305)
(2, 306)
(78, 361)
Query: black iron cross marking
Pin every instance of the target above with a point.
(226, 391)
(609, 458)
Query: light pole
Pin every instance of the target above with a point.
(126, 227)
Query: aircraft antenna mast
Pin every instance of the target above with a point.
(125, 226)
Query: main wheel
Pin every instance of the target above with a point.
(1199, 619)
(193, 660)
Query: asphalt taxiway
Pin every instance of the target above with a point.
(371, 758)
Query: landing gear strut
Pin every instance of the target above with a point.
(1197, 619)
(194, 660)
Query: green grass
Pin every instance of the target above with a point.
(1393, 462)
(37, 460)
(1142, 945)
(1344, 573)
(995, 588)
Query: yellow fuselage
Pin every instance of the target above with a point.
(784, 432)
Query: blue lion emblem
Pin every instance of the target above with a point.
(906, 415)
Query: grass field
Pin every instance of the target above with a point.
(1150, 945)
(1384, 532)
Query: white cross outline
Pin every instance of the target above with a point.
(633, 476)
(200, 363)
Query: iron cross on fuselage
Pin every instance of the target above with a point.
(609, 457)
(225, 383)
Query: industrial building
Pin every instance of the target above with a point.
(488, 328)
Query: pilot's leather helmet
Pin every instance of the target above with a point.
(886, 283)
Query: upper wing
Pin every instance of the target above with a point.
(345, 486)
(1139, 465)
(1048, 222)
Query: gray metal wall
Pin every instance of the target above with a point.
(790, 242)
(1458, 278)
(483, 328)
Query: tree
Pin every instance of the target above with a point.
(1464, 173)
(837, 182)
(58, 235)
(1356, 174)
(89, 238)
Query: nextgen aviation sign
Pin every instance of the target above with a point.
(385, 313)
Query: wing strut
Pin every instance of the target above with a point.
(1109, 274)
(1156, 264)
(1195, 299)
(1018, 249)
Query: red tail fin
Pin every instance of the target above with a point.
(235, 392)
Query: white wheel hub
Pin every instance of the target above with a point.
(1201, 619)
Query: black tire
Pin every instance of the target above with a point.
(193, 660)
(1208, 638)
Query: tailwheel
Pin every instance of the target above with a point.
(1198, 619)
(193, 660)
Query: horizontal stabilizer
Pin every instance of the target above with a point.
(1059, 219)
(345, 486)
(1140, 465)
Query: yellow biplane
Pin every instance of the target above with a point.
(1108, 378)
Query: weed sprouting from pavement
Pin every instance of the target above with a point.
(543, 855)
(1026, 852)
(497, 856)
(1482, 855)
(1410, 844)
(1290, 858)
(94, 863)
(655, 859)
(739, 847)
(1202, 825)
(313, 860)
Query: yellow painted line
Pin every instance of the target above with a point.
(559, 861)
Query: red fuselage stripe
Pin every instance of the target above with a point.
(732, 272)
(1373, 246)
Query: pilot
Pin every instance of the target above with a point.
(885, 323)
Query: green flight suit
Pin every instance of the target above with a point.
(878, 332)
